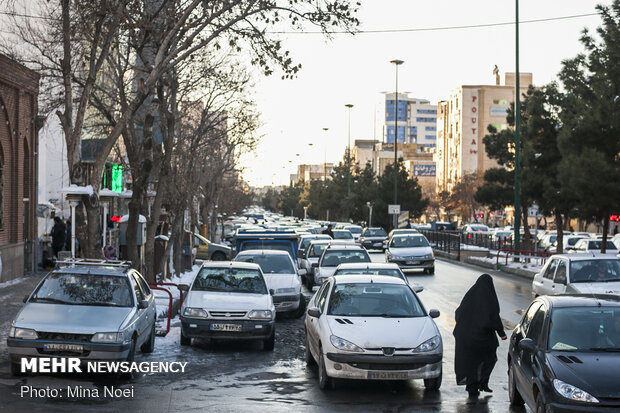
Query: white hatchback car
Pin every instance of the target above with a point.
(229, 301)
(372, 328)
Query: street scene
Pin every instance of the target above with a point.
(309, 205)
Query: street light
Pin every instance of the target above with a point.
(325, 159)
(396, 63)
(369, 205)
(517, 217)
(349, 106)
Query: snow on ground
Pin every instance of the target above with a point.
(535, 264)
(465, 247)
(12, 282)
(162, 298)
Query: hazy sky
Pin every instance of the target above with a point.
(356, 69)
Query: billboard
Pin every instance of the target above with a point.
(424, 170)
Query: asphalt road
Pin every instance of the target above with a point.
(240, 377)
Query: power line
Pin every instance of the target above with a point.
(430, 29)
(29, 16)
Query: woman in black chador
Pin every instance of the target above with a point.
(477, 322)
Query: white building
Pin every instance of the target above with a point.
(417, 121)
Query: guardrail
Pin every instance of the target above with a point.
(445, 241)
(524, 256)
(162, 332)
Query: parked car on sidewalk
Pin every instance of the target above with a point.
(568, 243)
(207, 250)
(594, 245)
(372, 238)
(335, 255)
(372, 328)
(578, 273)
(229, 301)
(411, 252)
(281, 276)
(563, 355)
(90, 309)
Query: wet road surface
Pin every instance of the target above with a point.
(241, 377)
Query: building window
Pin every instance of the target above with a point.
(427, 111)
(425, 119)
(432, 137)
(431, 128)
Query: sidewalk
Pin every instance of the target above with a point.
(525, 270)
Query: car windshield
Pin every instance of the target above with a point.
(585, 271)
(84, 289)
(337, 257)
(391, 272)
(268, 245)
(230, 280)
(409, 242)
(270, 264)
(354, 230)
(307, 240)
(585, 329)
(316, 250)
(479, 227)
(597, 245)
(375, 232)
(374, 300)
(342, 235)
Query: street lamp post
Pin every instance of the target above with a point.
(396, 63)
(349, 106)
(517, 213)
(369, 205)
(325, 158)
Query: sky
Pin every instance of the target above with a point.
(356, 69)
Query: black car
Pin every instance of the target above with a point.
(372, 238)
(564, 355)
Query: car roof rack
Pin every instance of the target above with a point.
(98, 262)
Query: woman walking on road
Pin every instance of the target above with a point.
(477, 322)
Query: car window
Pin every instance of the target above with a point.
(595, 270)
(409, 242)
(342, 235)
(137, 289)
(390, 272)
(560, 273)
(333, 258)
(372, 232)
(270, 264)
(529, 314)
(585, 328)
(374, 300)
(317, 250)
(146, 291)
(354, 230)
(534, 330)
(317, 296)
(84, 289)
(323, 297)
(551, 269)
(227, 279)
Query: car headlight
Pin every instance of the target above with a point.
(428, 345)
(23, 333)
(108, 338)
(260, 315)
(390, 256)
(573, 393)
(428, 256)
(287, 291)
(345, 345)
(195, 312)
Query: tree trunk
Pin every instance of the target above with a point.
(177, 239)
(605, 232)
(559, 225)
(92, 249)
(527, 237)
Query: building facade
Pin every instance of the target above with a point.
(19, 88)
(462, 123)
(416, 121)
(307, 173)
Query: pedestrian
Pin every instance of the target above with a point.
(328, 231)
(58, 235)
(477, 322)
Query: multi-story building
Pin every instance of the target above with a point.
(364, 151)
(416, 121)
(308, 173)
(462, 123)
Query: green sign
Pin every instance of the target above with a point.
(117, 178)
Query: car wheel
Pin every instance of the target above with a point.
(325, 382)
(433, 384)
(130, 357)
(540, 406)
(513, 393)
(185, 341)
(269, 344)
(218, 256)
(309, 359)
(301, 310)
(309, 283)
(149, 345)
(431, 270)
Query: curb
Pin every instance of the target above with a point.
(503, 268)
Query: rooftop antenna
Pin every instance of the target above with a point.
(496, 73)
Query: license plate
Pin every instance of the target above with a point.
(387, 375)
(226, 327)
(377, 244)
(413, 262)
(76, 348)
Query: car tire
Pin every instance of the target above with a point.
(218, 256)
(310, 361)
(325, 382)
(513, 394)
(301, 310)
(149, 344)
(431, 270)
(270, 343)
(434, 384)
(185, 341)
(130, 358)
(309, 283)
(540, 406)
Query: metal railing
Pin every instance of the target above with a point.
(445, 241)
(539, 257)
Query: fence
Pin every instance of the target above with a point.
(445, 241)
(539, 257)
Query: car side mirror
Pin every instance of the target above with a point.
(142, 304)
(417, 288)
(527, 344)
(183, 287)
(25, 298)
(434, 313)
(315, 265)
(271, 291)
(314, 312)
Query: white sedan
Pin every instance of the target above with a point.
(372, 328)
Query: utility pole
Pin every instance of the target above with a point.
(517, 206)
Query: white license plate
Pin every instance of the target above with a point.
(76, 348)
(226, 327)
(377, 244)
(413, 262)
(387, 375)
